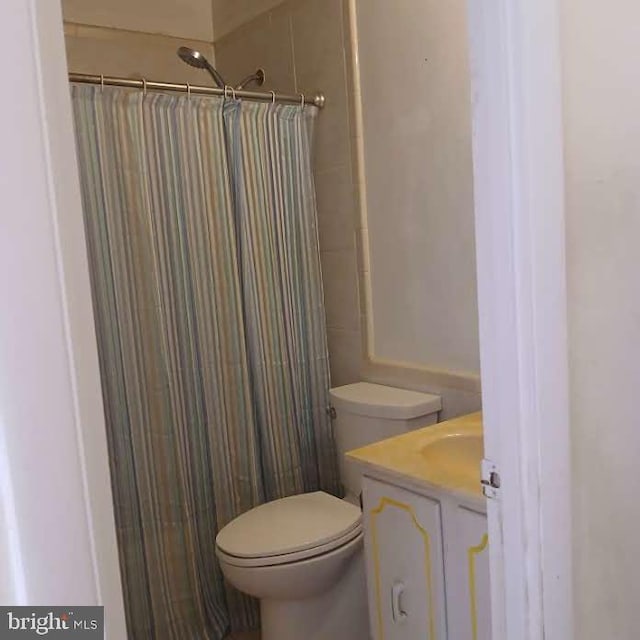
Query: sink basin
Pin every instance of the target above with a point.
(457, 456)
(446, 455)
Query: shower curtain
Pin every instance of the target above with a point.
(201, 230)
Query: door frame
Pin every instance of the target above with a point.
(58, 539)
(519, 211)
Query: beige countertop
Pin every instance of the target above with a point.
(447, 455)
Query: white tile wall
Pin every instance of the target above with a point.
(264, 42)
(181, 18)
(97, 50)
(231, 14)
(301, 44)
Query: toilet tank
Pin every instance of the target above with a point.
(366, 413)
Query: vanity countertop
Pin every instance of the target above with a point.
(447, 456)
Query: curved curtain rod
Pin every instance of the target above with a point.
(317, 100)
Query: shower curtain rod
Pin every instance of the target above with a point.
(317, 100)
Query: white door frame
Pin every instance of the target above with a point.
(519, 208)
(57, 538)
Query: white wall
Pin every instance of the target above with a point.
(602, 129)
(58, 543)
(415, 88)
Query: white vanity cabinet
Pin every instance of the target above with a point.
(427, 563)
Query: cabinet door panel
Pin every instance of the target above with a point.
(405, 572)
(468, 588)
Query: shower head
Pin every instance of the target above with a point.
(192, 57)
(196, 59)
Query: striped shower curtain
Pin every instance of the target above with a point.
(201, 229)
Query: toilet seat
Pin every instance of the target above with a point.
(288, 558)
(289, 530)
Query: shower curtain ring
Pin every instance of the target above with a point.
(302, 99)
(188, 91)
(101, 83)
(144, 86)
(273, 97)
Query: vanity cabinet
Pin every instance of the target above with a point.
(427, 564)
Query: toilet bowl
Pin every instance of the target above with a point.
(302, 556)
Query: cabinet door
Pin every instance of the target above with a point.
(405, 572)
(467, 561)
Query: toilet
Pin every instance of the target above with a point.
(302, 556)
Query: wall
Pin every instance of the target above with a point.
(233, 14)
(306, 45)
(55, 494)
(602, 138)
(418, 182)
(303, 46)
(137, 38)
(413, 162)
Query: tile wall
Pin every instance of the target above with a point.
(307, 45)
(231, 14)
(302, 46)
(137, 38)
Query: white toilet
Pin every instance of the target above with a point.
(302, 556)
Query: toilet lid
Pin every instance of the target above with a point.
(289, 525)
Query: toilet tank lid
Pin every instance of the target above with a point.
(379, 401)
